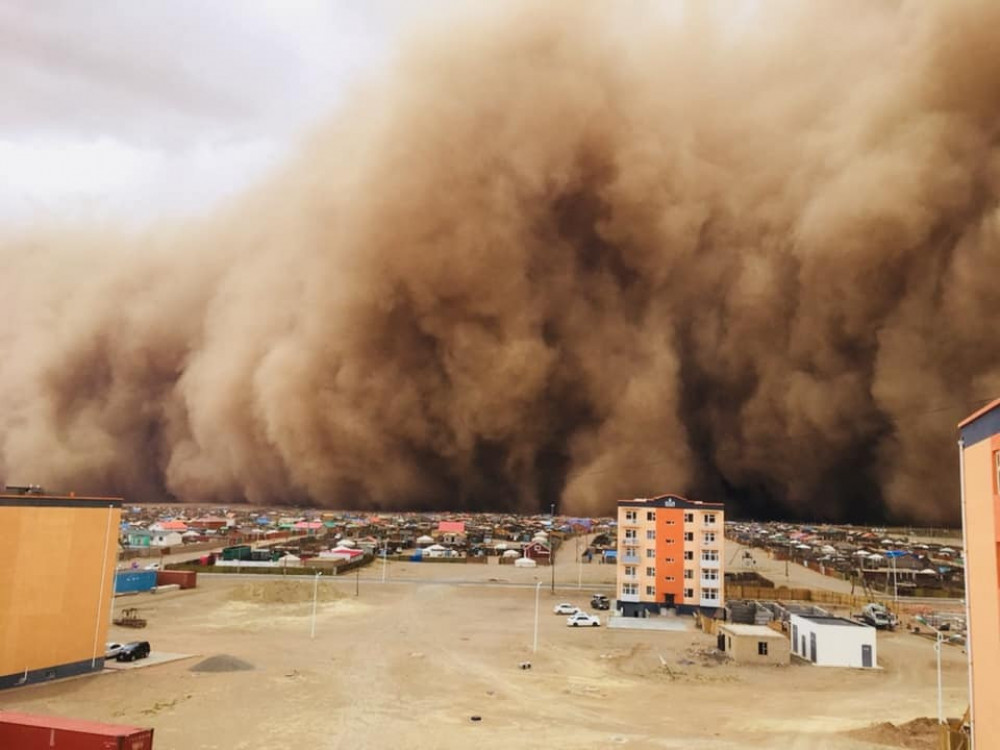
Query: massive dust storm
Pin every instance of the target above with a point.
(556, 254)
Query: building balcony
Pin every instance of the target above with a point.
(711, 564)
(710, 582)
(628, 598)
(703, 602)
(630, 579)
(632, 559)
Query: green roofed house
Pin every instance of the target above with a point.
(138, 538)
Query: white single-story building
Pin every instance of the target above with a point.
(833, 641)
(166, 539)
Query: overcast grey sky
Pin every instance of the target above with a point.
(160, 107)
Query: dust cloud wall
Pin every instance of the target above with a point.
(557, 253)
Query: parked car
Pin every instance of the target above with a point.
(134, 650)
(565, 609)
(600, 601)
(111, 650)
(583, 619)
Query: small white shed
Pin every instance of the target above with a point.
(833, 641)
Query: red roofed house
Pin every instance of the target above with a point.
(210, 522)
(451, 532)
(310, 527)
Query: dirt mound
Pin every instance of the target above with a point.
(222, 663)
(919, 734)
(282, 592)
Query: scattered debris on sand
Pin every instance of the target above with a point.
(919, 734)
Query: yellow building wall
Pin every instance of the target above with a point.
(984, 609)
(55, 584)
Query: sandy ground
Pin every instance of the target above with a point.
(408, 665)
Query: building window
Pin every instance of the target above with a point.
(689, 518)
(630, 589)
(761, 648)
(650, 515)
(651, 552)
(670, 578)
(671, 523)
(651, 590)
(710, 555)
(688, 536)
(651, 534)
(651, 571)
(630, 515)
(668, 559)
(630, 570)
(709, 519)
(630, 533)
(671, 540)
(710, 575)
(688, 573)
(711, 594)
(689, 593)
(709, 537)
(688, 555)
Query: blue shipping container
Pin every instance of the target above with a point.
(134, 580)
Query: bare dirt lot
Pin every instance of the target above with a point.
(408, 664)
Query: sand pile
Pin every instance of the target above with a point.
(283, 592)
(222, 663)
(919, 734)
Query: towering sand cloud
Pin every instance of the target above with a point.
(557, 253)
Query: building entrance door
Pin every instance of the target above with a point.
(812, 647)
(866, 656)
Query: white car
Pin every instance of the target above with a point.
(565, 609)
(582, 618)
(111, 650)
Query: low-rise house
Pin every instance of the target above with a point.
(166, 539)
(178, 526)
(829, 641)
(138, 538)
(753, 644)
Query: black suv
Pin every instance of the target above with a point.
(134, 650)
(600, 601)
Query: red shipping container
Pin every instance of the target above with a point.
(31, 732)
(186, 579)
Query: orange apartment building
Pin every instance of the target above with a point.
(56, 585)
(670, 555)
(980, 477)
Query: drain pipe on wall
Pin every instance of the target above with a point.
(968, 602)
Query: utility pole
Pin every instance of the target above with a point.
(534, 646)
(552, 545)
(312, 632)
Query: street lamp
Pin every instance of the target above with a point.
(312, 632)
(385, 559)
(552, 545)
(579, 565)
(538, 588)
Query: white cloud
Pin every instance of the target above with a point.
(143, 109)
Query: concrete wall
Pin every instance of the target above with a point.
(981, 569)
(836, 645)
(55, 585)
